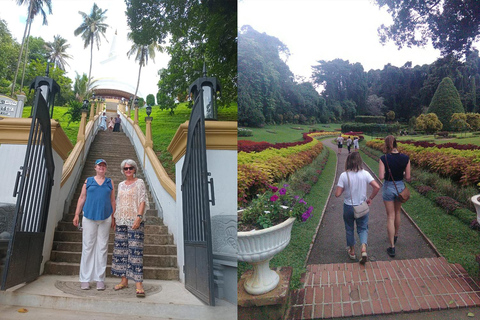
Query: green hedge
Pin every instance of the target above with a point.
(373, 128)
(370, 119)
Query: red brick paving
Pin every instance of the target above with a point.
(383, 287)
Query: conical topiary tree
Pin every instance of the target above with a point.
(445, 102)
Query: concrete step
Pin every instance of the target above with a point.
(45, 301)
(70, 268)
(150, 216)
(76, 236)
(157, 261)
(149, 229)
(153, 249)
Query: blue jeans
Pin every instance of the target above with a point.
(362, 226)
(389, 193)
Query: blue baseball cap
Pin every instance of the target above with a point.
(100, 161)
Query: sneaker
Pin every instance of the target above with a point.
(84, 285)
(395, 239)
(391, 251)
(100, 285)
(364, 257)
(351, 256)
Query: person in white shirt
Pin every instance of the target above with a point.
(355, 187)
(340, 143)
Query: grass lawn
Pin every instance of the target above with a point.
(453, 238)
(295, 253)
(164, 127)
(286, 132)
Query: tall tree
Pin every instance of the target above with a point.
(451, 25)
(82, 87)
(34, 7)
(142, 53)
(199, 31)
(8, 56)
(91, 29)
(57, 52)
(446, 102)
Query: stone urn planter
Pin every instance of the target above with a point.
(476, 202)
(258, 247)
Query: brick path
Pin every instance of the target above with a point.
(383, 287)
(416, 280)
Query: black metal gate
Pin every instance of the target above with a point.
(196, 209)
(33, 189)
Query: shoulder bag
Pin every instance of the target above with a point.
(360, 210)
(401, 196)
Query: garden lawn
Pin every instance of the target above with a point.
(453, 238)
(164, 127)
(295, 254)
(286, 132)
(467, 138)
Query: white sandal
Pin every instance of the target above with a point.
(352, 256)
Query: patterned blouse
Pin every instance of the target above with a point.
(129, 198)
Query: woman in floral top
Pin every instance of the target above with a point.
(132, 203)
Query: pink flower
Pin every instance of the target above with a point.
(274, 198)
(274, 189)
(282, 191)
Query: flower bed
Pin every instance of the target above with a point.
(462, 166)
(257, 170)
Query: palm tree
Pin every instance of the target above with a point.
(142, 52)
(91, 29)
(34, 7)
(56, 52)
(82, 88)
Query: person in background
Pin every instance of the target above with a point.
(354, 183)
(97, 200)
(349, 143)
(399, 165)
(355, 144)
(103, 122)
(340, 143)
(132, 203)
(116, 127)
(111, 124)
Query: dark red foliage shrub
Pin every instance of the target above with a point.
(475, 225)
(423, 190)
(453, 145)
(252, 146)
(447, 203)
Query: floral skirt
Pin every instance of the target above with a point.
(127, 258)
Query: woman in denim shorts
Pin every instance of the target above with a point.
(399, 165)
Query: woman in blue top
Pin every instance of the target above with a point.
(399, 165)
(98, 203)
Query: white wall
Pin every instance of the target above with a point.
(13, 157)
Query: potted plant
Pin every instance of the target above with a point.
(269, 220)
(476, 202)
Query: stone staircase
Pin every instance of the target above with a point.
(160, 253)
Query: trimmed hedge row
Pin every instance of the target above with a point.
(371, 127)
(370, 119)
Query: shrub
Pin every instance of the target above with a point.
(423, 190)
(445, 102)
(243, 132)
(447, 203)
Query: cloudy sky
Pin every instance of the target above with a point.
(328, 29)
(65, 19)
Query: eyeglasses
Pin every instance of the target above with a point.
(128, 168)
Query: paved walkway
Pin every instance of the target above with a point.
(417, 279)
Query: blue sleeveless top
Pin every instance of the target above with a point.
(98, 205)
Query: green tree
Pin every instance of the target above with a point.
(57, 52)
(34, 8)
(37, 68)
(142, 53)
(74, 111)
(8, 57)
(375, 106)
(91, 29)
(458, 122)
(390, 115)
(451, 25)
(428, 123)
(150, 100)
(199, 31)
(473, 120)
(446, 102)
(82, 88)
